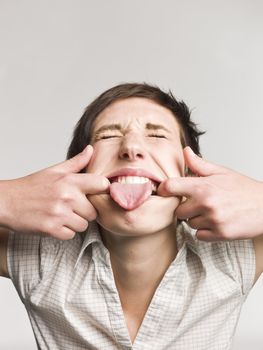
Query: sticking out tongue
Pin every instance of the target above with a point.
(130, 196)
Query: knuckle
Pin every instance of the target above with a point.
(83, 226)
(223, 230)
(218, 217)
(204, 191)
(199, 192)
(225, 234)
(56, 210)
(67, 199)
(52, 228)
(70, 235)
(63, 195)
(91, 215)
(66, 234)
(209, 203)
(68, 179)
(170, 185)
(63, 185)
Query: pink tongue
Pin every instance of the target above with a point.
(130, 196)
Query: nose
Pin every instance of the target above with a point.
(131, 148)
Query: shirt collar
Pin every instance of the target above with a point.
(92, 235)
(184, 234)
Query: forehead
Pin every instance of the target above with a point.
(136, 111)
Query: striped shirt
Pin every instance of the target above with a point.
(72, 301)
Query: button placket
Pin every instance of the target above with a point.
(115, 312)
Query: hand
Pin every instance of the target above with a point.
(220, 203)
(52, 201)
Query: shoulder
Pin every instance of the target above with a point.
(33, 256)
(33, 259)
(233, 259)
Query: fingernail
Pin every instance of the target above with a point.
(87, 149)
(192, 153)
(190, 150)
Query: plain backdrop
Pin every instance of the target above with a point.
(56, 56)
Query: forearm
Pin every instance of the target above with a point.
(4, 225)
(5, 215)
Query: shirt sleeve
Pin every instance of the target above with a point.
(243, 258)
(29, 260)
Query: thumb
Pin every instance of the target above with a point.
(76, 163)
(198, 165)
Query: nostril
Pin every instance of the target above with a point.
(125, 156)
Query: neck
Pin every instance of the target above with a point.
(139, 263)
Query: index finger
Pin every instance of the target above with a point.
(179, 186)
(92, 183)
(76, 163)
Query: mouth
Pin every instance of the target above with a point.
(135, 176)
(135, 180)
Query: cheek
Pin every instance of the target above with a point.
(97, 160)
(104, 155)
(171, 160)
(177, 160)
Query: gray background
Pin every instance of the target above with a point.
(58, 55)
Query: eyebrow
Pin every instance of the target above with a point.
(107, 127)
(150, 126)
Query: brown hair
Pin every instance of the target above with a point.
(82, 133)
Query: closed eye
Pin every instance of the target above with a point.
(108, 136)
(157, 135)
(105, 137)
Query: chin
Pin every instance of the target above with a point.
(154, 215)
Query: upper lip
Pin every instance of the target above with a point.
(134, 172)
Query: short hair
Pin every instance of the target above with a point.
(189, 132)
